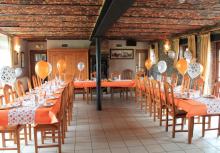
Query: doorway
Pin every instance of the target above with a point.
(141, 56)
(36, 56)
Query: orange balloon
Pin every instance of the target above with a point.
(61, 65)
(42, 69)
(201, 69)
(148, 64)
(182, 66)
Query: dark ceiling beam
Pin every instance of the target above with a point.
(110, 14)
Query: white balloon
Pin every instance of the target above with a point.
(18, 72)
(188, 54)
(193, 70)
(7, 75)
(162, 66)
(81, 66)
(171, 54)
(50, 67)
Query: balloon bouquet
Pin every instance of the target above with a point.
(80, 66)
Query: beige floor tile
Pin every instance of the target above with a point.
(116, 144)
(154, 148)
(119, 150)
(210, 150)
(171, 147)
(149, 141)
(83, 139)
(83, 146)
(101, 151)
(132, 143)
(98, 138)
(129, 136)
(100, 145)
(194, 151)
(83, 151)
(137, 149)
(114, 137)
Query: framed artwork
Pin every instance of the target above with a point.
(121, 53)
(40, 46)
(22, 60)
(15, 58)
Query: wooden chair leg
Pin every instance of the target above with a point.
(35, 140)
(209, 122)
(174, 127)
(112, 94)
(29, 128)
(3, 139)
(167, 119)
(182, 122)
(18, 140)
(160, 112)
(62, 131)
(53, 134)
(154, 112)
(59, 139)
(91, 94)
(42, 137)
(25, 135)
(203, 126)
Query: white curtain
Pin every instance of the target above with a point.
(192, 47)
(205, 59)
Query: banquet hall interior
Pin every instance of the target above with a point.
(109, 76)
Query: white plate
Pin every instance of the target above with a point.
(62, 87)
(47, 104)
(7, 106)
(58, 92)
(55, 97)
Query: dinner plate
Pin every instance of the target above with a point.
(47, 104)
(208, 96)
(55, 97)
(58, 92)
(62, 87)
(3, 107)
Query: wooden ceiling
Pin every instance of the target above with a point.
(146, 20)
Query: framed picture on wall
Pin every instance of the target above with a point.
(121, 53)
(15, 58)
(22, 60)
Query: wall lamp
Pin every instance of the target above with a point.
(17, 48)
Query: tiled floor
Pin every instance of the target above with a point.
(121, 127)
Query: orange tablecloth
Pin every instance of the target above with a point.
(193, 107)
(43, 115)
(105, 84)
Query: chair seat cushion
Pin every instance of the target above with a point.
(47, 126)
(178, 113)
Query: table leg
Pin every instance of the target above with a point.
(190, 129)
(131, 93)
(87, 93)
(126, 89)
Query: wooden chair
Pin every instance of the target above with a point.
(164, 77)
(29, 84)
(7, 90)
(93, 89)
(139, 91)
(199, 83)
(173, 79)
(172, 110)
(35, 83)
(39, 81)
(157, 101)
(78, 90)
(185, 82)
(121, 89)
(140, 73)
(127, 74)
(147, 91)
(15, 129)
(59, 126)
(20, 88)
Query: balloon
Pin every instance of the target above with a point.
(148, 63)
(18, 72)
(201, 69)
(61, 65)
(188, 54)
(193, 70)
(182, 66)
(7, 75)
(171, 54)
(50, 67)
(162, 66)
(81, 66)
(42, 69)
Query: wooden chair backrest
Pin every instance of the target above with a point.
(39, 81)
(186, 80)
(20, 88)
(147, 88)
(35, 83)
(138, 84)
(169, 100)
(164, 77)
(199, 83)
(173, 79)
(128, 74)
(216, 89)
(156, 96)
(93, 74)
(71, 91)
(115, 74)
(140, 73)
(7, 90)
(29, 83)
(62, 102)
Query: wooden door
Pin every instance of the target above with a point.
(70, 69)
(141, 56)
(81, 57)
(53, 58)
(36, 56)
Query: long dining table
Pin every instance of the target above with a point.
(43, 115)
(115, 83)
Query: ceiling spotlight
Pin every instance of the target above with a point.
(182, 1)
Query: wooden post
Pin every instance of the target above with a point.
(98, 73)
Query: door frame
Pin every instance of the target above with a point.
(146, 54)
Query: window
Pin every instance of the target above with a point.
(5, 58)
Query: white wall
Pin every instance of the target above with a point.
(23, 48)
(122, 64)
(74, 44)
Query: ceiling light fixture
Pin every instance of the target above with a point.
(182, 1)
